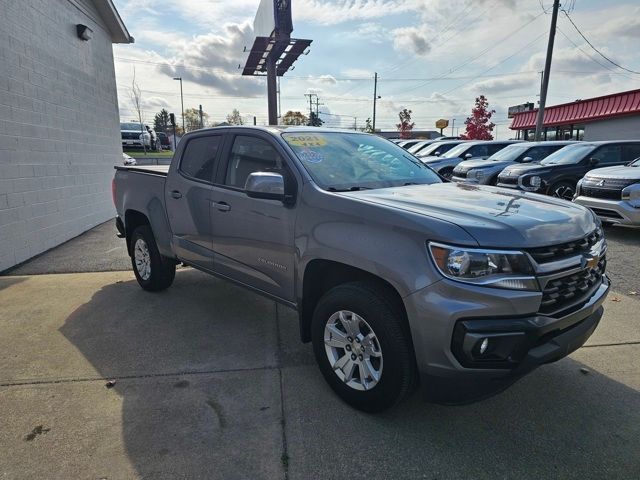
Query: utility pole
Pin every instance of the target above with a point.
(375, 98)
(201, 121)
(547, 71)
(311, 95)
(181, 103)
(453, 123)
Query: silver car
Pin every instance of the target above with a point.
(486, 171)
(613, 193)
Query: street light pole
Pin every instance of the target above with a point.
(375, 99)
(181, 103)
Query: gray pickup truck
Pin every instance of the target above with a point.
(399, 278)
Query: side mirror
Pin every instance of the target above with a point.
(436, 153)
(527, 160)
(267, 185)
(593, 161)
(468, 155)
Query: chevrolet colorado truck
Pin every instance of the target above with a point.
(399, 278)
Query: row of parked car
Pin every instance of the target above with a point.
(604, 176)
(137, 135)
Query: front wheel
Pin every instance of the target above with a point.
(362, 346)
(153, 271)
(446, 173)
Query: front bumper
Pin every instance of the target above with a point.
(439, 312)
(612, 211)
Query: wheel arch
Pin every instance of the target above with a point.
(321, 275)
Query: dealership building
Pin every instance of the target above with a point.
(59, 121)
(610, 117)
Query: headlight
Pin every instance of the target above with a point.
(477, 174)
(491, 268)
(578, 187)
(535, 181)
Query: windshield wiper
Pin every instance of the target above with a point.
(349, 189)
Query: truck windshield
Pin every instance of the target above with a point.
(568, 155)
(131, 126)
(341, 161)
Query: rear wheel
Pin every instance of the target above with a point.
(153, 271)
(362, 347)
(564, 190)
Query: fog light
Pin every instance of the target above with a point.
(484, 345)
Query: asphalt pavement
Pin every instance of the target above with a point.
(100, 379)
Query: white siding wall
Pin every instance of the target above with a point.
(623, 128)
(59, 127)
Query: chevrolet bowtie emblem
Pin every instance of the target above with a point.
(591, 262)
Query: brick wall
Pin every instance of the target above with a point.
(59, 125)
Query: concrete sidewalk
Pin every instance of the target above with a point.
(211, 381)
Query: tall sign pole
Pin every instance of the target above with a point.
(375, 98)
(547, 71)
(272, 91)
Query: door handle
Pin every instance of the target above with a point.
(222, 206)
(176, 194)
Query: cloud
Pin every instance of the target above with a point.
(322, 80)
(212, 61)
(626, 26)
(340, 11)
(411, 39)
(573, 64)
(503, 84)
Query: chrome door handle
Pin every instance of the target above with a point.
(222, 206)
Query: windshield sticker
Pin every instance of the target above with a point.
(310, 156)
(306, 141)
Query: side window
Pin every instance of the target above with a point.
(630, 152)
(608, 154)
(493, 148)
(199, 158)
(478, 151)
(539, 153)
(248, 155)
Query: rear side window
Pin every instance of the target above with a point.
(495, 147)
(249, 155)
(199, 158)
(608, 154)
(480, 151)
(630, 152)
(538, 153)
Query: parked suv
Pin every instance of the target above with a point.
(438, 148)
(397, 277)
(135, 135)
(613, 193)
(486, 171)
(445, 163)
(558, 174)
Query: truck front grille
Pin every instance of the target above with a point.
(572, 291)
(508, 180)
(130, 135)
(604, 193)
(557, 252)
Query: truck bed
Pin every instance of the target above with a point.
(161, 170)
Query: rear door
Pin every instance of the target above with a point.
(188, 198)
(253, 238)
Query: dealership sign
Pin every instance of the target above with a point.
(523, 107)
(442, 123)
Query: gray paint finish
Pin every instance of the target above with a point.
(623, 128)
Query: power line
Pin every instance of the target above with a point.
(594, 48)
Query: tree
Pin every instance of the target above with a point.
(294, 118)
(315, 120)
(192, 119)
(234, 118)
(406, 125)
(479, 125)
(368, 126)
(161, 121)
(136, 99)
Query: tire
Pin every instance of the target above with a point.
(446, 173)
(564, 190)
(153, 271)
(389, 376)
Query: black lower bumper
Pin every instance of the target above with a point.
(526, 344)
(120, 233)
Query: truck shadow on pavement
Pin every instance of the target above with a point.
(206, 372)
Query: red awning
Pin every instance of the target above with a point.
(618, 104)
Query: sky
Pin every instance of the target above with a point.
(432, 57)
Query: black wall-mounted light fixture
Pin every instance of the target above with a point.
(84, 32)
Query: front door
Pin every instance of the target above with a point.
(253, 238)
(188, 199)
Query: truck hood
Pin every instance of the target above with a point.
(477, 164)
(495, 217)
(619, 172)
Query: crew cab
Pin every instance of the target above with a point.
(398, 278)
(613, 193)
(477, 149)
(486, 171)
(558, 174)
